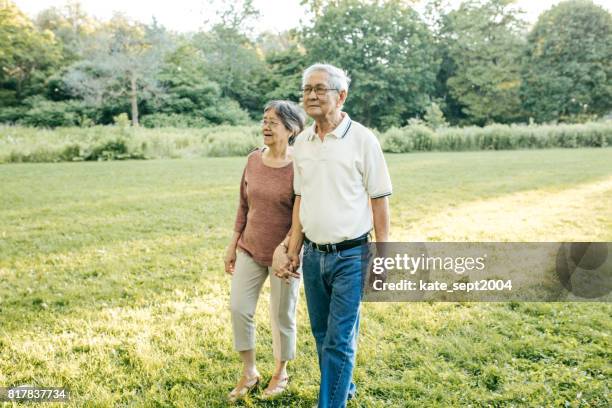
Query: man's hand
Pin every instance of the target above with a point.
(294, 259)
(296, 237)
(294, 265)
(376, 250)
(290, 269)
(230, 259)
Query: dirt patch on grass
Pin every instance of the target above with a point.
(575, 214)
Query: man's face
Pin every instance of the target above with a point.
(317, 106)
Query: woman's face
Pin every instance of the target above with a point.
(274, 132)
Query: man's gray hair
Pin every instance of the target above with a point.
(338, 78)
(291, 114)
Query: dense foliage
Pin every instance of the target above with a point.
(567, 72)
(477, 64)
(389, 53)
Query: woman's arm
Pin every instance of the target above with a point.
(243, 205)
(239, 225)
(297, 238)
(230, 253)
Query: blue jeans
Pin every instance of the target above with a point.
(333, 282)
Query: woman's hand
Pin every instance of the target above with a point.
(230, 259)
(280, 261)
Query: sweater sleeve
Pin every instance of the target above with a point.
(243, 206)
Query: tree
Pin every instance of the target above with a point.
(386, 49)
(283, 78)
(190, 93)
(70, 25)
(285, 61)
(434, 15)
(434, 117)
(230, 58)
(481, 45)
(27, 55)
(120, 60)
(568, 70)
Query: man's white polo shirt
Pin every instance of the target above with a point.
(336, 178)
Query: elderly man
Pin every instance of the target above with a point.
(341, 183)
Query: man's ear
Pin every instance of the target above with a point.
(341, 97)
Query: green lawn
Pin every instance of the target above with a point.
(111, 284)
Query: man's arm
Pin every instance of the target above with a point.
(297, 237)
(380, 212)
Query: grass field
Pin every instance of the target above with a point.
(111, 284)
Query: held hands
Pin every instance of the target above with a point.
(279, 261)
(294, 264)
(284, 264)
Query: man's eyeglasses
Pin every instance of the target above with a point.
(319, 90)
(268, 123)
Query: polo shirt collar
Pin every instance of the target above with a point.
(339, 132)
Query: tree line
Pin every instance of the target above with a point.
(473, 65)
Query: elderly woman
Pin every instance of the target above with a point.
(261, 230)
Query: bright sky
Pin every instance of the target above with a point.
(188, 15)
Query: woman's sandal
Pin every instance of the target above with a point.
(279, 388)
(245, 386)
